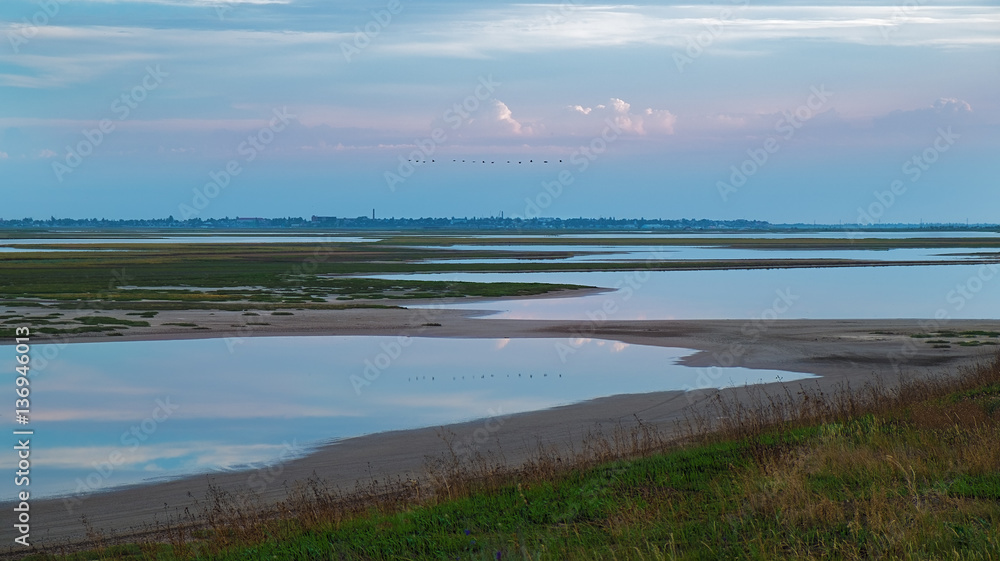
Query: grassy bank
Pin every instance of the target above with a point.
(910, 471)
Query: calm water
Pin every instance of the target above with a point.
(847, 234)
(169, 408)
(832, 293)
(6, 249)
(686, 253)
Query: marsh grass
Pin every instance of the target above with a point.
(178, 274)
(908, 470)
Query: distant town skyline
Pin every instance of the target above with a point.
(782, 111)
(610, 223)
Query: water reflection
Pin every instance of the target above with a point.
(168, 408)
(833, 234)
(707, 253)
(956, 291)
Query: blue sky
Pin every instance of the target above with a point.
(780, 111)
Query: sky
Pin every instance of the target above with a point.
(778, 111)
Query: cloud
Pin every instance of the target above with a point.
(494, 119)
(942, 112)
(588, 120)
(951, 106)
(659, 121)
(500, 115)
(497, 120)
(525, 28)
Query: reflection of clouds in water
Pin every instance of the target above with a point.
(613, 346)
(236, 409)
(191, 454)
(207, 407)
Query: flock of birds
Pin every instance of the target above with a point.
(478, 161)
(471, 377)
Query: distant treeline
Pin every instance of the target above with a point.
(453, 223)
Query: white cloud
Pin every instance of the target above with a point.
(531, 28)
(501, 115)
(659, 121)
(588, 120)
(951, 105)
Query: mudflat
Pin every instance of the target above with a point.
(839, 351)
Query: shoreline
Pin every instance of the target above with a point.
(838, 351)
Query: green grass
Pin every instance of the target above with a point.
(252, 275)
(143, 314)
(969, 338)
(975, 343)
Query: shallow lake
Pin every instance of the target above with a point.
(845, 234)
(604, 253)
(163, 409)
(958, 291)
(172, 408)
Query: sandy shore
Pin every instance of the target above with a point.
(838, 350)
